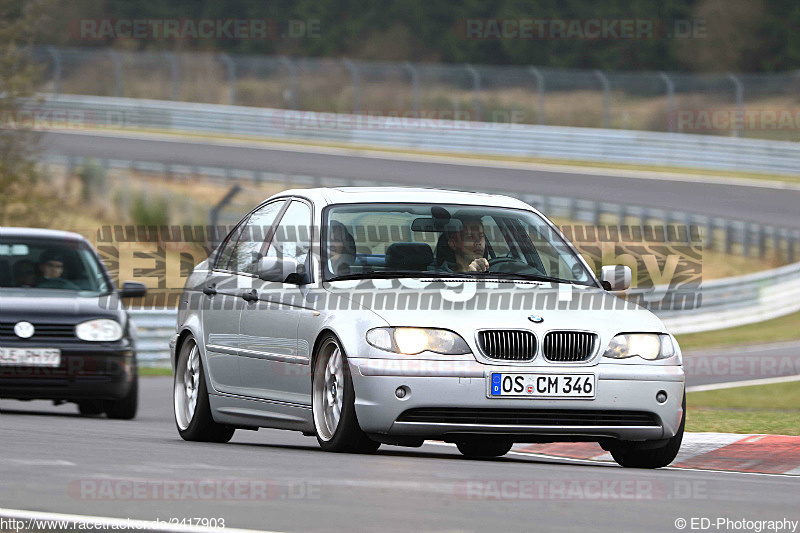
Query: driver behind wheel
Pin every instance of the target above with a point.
(468, 246)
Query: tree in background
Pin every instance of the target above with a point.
(22, 194)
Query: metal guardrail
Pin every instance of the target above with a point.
(737, 104)
(585, 144)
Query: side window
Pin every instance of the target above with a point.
(246, 254)
(224, 256)
(293, 236)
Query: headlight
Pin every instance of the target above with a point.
(411, 341)
(102, 329)
(650, 346)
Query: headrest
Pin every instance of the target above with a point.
(408, 256)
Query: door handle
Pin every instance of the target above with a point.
(210, 291)
(251, 296)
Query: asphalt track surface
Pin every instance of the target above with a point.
(742, 363)
(757, 204)
(48, 452)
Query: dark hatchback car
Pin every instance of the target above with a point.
(64, 335)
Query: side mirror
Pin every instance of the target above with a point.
(132, 289)
(616, 277)
(284, 270)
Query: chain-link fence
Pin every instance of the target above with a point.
(746, 105)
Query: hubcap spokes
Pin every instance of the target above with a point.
(333, 391)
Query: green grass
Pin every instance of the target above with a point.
(150, 371)
(785, 328)
(771, 409)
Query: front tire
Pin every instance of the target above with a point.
(630, 455)
(333, 402)
(125, 408)
(484, 447)
(190, 399)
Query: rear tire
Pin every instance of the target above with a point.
(484, 447)
(124, 409)
(629, 455)
(192, 409)
(333, 402)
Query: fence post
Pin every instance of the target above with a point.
(762, 241)
(351, 66)
(412, 70)
(292, 68)
(214, 213)
(56, 55)
(670, 100)
(540, 88)
(709, 233)
(117, 72)
(476, 90)
(746, 240)
(231, 67)
(728, 237)
(737, 129)
(606, 97)
(790, 245)
(173, 74)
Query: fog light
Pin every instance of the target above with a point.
(400, 392)
(661, 396)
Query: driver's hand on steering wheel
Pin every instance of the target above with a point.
(480, 264)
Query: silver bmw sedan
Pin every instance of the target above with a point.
(365, 316)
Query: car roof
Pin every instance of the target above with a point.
(346, 195)
(39, 233)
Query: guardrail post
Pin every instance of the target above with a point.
(351, 66)
(762, 241)
(670, 100)
(56, 55)
(790, 246)
(746, 240)
(231, 68)
(737, 129)
(606, 97)
(596, 213)
(621, 214)
(115, 61)
(174, 75)
(728, 237)
(476, 91)
(414, 73)
(709, 233)
(292, 69)
(540, 88)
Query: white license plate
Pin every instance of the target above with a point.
(541, 385)
(30, 356)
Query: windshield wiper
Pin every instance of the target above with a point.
(391, 275)
(526, 277)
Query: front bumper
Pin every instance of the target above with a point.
(463, 385)
(86, 372)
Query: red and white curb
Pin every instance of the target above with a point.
(732, 452)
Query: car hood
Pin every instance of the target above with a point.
(56, 306)
(465, 307)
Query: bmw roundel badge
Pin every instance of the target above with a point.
(536, 319)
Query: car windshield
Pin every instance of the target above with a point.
(37, 264)
(406, 240)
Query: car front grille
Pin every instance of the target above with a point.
(569, 346)
(41, 331)
(508, 345)
(527, 417)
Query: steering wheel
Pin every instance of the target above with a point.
(507, 264)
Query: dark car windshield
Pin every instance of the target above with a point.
(37, 264)
(405, 240)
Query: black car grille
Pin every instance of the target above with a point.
(41, 331)
(569, 346)
(527, 417)
(508, 345)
